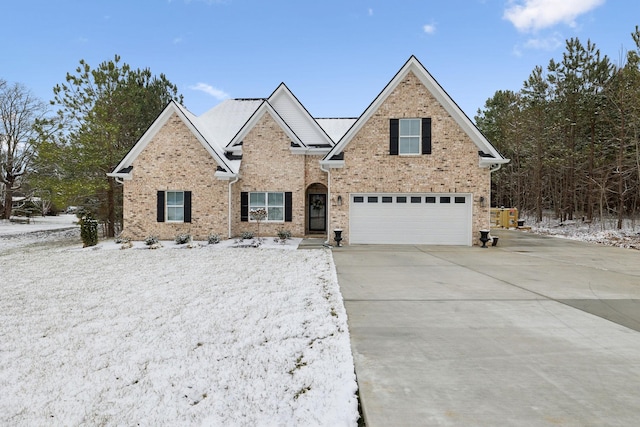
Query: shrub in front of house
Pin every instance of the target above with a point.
(88, 230)
(121, 239)
(181, 239)
(246, 235)
(213, 239)
(283, 236)
(151, 240)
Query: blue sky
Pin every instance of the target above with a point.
(334, 55)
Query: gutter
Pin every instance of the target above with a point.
(495, 167)
(120, 177)
(237, 177)
(328, 171)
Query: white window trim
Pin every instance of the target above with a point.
(166, 206)
(266, 207)
(400, 136)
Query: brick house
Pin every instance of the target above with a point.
(411, 169)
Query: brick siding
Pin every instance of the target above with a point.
(269, 165)
(175, 160)
(451, 168)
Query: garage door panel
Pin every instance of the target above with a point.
(410, 223)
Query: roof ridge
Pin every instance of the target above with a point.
(335, 118)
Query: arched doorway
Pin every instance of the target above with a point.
(316, 212)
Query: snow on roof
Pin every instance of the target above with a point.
(336, 127)
(220, 124)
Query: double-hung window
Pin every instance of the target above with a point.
(175, 206)
(272, 202)
(409, 137)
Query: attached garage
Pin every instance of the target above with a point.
(421, 219)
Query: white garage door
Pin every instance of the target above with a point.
(426, 219)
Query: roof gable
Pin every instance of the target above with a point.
(414, 66)
(124, 168)
(265, 107)
(298, 118)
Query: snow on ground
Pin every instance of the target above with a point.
(50, 229)
(38, 223)
(203, 336)
(603, 233)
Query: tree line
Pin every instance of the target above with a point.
(64, 155)
(572, 133)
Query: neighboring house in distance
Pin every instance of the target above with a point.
(412, 169)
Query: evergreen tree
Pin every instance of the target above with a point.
(102, 113)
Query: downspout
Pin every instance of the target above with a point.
(229, 217)
(328, 171)
(495, 167)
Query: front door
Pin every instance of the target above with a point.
(318, 212)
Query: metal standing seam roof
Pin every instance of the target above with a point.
(220, 124)
(336, 127)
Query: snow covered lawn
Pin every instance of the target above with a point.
(203, 336)
(596, 232)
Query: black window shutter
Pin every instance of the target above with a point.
(288, 206)
(244, 206)
(426, 136)
(187, 206)
(160, 206)
(394, 136)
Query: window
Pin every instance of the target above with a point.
(445, 199)
(387, 199)
(430, 199)
(416, 199)
(273, 203)
(409, 142)
(372, 199)
(460, 199)
(175, 206)
(401, 199)
(410, 136)
(358, 199)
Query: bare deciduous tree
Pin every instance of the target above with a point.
(19, 110)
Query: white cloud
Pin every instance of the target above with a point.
(517, 51)
(429, 28)
(370, 12)
(550, 43)
(531, 15)
(208, 89)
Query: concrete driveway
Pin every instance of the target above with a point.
(537, 331)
